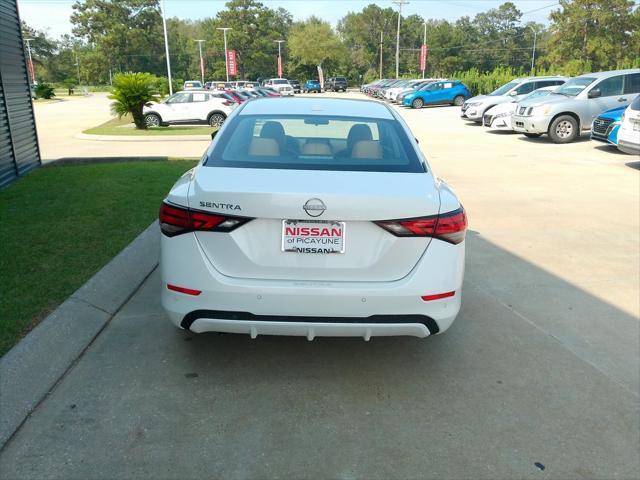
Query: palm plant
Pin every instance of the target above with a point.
(131, 92)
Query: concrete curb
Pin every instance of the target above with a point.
(31, 369)
(57, 162)
(154, 138)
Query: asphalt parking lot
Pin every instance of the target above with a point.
(539, 377)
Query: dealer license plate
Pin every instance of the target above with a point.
(313, 236)
(636, 126)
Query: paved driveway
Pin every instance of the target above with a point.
(59, 123)
(540, 371)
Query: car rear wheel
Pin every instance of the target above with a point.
(458, 101)
(152, 120)
(532, 135)
(216, 119)
(563, 129)
(417, 103)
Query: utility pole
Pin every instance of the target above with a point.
(201, 61)
(166, 48)
(226, 58)
(380, 55)
(424, 43)
(399, 3)
(32, 72)
(533, 53)
(279, 42)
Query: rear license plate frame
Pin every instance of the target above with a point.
(287, 246)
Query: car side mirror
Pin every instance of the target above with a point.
(213, 134)
(513, 93)
(594, 93)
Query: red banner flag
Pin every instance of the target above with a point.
(231, 62)
(424, 52)
(279, 66)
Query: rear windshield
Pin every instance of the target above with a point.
(280, 82)
(635, 105)
(308, 142)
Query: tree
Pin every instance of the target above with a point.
(313, 43)
(360, 34)
(254, 30)
(132, 92)
(593, 34)
(125, 34)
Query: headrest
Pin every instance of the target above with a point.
(358, 132)
(368, 149)
(264, 147)
(272, 130)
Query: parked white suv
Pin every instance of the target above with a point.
(475, 107)
(629, 132)
(280, 85)
(188, 107)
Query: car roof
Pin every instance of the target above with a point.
(541, 77)
(319, 106)
(610, 73)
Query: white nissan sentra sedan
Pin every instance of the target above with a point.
(313, 217)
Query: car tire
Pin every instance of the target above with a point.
(563, 129)
(532, 135)
(417, 103)
(216, 119)
(152, 120)
(458, 101)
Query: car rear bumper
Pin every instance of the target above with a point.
(530, 124)
(628, 147)
(311, 308)
(209, 321)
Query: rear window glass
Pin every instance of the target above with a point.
(314, 143)
(635, 105)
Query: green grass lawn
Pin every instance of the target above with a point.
(60, 225)
(115, 127)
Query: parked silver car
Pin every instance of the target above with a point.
(572, 107)
(515, 90)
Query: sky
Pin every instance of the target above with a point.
(53, 15)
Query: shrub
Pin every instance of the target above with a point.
(44, 90)
(131, 92)
(69, 84)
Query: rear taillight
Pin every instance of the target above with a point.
(176, 220)
(450, 227)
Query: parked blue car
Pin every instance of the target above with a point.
(606, 125)
(312, 86)
(443, 92)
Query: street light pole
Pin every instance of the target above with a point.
(279, 42)
(533, 53)
(226, 59)
(166, 48)
(32, 72)
(201, 61)
(78, 65)
(399, 3)
(380, 55)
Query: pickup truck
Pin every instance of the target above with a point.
(336, 84)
